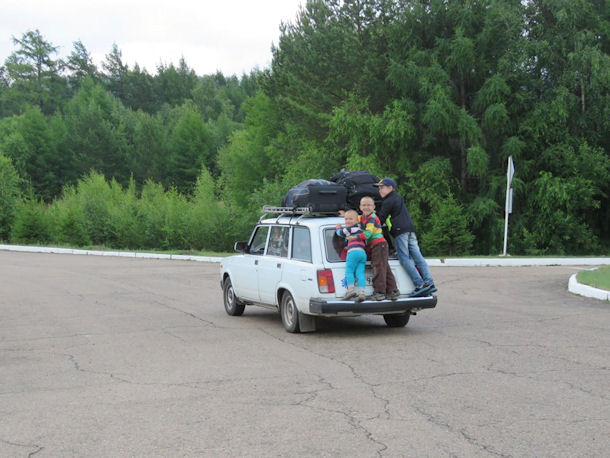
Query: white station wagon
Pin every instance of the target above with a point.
(292, 264)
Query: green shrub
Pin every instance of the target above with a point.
(99, 212)
(32, 223)
(163, 217)
(174, 226)
(124, 228)
(9, 196)
(68, 219)
(151, 214)
(204, 214)
(94, 195)
(449, 234)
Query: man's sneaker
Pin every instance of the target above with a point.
(433, 289)
(420, 291)
(349, 295)
(378, 296)
(393, 295)
(360, 296)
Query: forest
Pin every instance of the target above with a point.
(434, 93)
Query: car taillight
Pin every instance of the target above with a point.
(326, 283)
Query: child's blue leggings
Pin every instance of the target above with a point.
(354, 266)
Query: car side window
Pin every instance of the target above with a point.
(334, 245)
(278, 241)
(301, 244)
(259, 240)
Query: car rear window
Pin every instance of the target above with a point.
(333, 244)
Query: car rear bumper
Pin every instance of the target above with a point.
(404, 304)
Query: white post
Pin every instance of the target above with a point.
(505, 233)
(508, 207)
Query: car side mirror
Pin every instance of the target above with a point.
(240, 247)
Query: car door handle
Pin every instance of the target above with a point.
(279, 265)
(256, 262)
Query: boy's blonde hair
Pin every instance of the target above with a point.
(351, 212)
(368, 198)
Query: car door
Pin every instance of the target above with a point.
(270, 266)
(299, 272)
(244, 274)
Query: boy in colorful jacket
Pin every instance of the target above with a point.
(384, 283)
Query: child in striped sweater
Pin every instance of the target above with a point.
(356, 255)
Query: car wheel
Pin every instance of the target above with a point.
(232, 305)
(396, 321)
(290, 313)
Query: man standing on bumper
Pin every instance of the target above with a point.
(403, 231)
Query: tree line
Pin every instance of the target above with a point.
(435, 93)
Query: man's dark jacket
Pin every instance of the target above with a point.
(393, 205)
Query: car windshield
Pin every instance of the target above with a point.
(333, 245)
(257, 246)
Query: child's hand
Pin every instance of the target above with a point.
(338, 226)
(351, 237)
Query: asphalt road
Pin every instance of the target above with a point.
(117, 357)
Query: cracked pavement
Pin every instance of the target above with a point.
(111, 357)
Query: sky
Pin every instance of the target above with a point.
(230, 36)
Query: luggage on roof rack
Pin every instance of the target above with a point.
(321, 196)
(358, 183)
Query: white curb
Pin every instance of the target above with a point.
(587, 291)
(517, 262)
(128, 254)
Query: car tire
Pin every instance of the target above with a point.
(396, 321)
(290, 313)
(232, 305)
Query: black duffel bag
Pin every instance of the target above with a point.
(358, 184)
(320, 196)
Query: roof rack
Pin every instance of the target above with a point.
(290, 211)
(284, 211)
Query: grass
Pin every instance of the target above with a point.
(598, 278)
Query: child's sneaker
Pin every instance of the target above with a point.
(378, 296)
(393, 295)
(349, 295)
(360, 297)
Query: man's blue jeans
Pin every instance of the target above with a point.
(410, 256)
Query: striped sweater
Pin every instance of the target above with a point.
(372, 233)
(359, 243)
